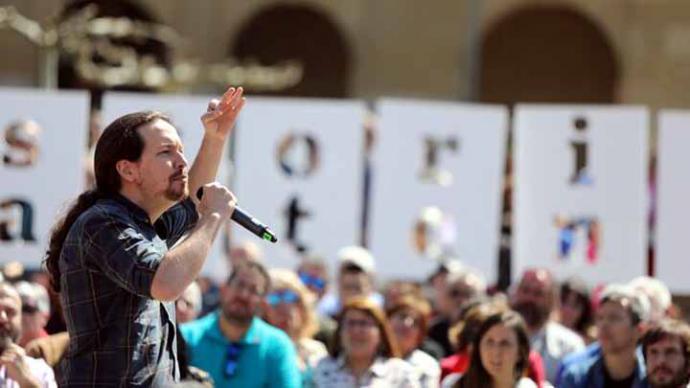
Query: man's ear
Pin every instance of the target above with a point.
(129, 171)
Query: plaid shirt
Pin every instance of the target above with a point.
(119, 335)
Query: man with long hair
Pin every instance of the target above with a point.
(666, 348)
(113, 258)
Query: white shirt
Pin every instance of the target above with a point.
(450, 381)
(553, 342)
(310, 352)
(383, 373)
(40, 370)
(427, 367)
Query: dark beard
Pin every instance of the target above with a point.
(176, 195)
(679, 380)
(533, 315)
(238, 320)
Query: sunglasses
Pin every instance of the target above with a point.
(29, 309)
(287, 297)
(232, 355)
(459, 293)
(312, 281)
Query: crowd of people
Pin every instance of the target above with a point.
(120, 301)
(277, 327)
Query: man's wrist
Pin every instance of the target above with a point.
(214, 139)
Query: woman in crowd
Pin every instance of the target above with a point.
(291, 308)
(463, 333)
(575, 310)
(364, 352)
(500, 352)
(409, 319)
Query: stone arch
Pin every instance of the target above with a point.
(547, 54)
(301, 32)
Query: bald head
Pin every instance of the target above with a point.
(535, 297)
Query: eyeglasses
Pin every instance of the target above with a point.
(232, 355)
(29, 309)
(459, 293)
(240, 285)
(287, 296)
(361, 323)
(312, 281)
(407, 320)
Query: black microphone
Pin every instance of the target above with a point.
(247, 221)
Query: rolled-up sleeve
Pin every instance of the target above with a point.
(123, 253)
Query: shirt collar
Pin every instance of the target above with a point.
(640, 370)
(378, 368)
(138, 213)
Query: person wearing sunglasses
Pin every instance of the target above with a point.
(234, 345)
(35, 311)
(290, 308)
(313, 272)
(364, 352)
(461, 286)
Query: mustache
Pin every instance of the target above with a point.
(662, 368)
(178, 175)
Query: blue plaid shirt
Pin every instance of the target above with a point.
(119, 335)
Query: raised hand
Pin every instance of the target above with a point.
(222, 113)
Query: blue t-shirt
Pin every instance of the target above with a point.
(266, 355)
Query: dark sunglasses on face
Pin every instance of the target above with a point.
(287, 296)
(312, 281)
(29, 309)
(232, 355)
(459, 293)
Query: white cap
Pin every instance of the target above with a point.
(357, 256)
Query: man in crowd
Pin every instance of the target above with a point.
(461, 285)
(356, 271)
(619, 321)
(535, 299)
(16, 368)
(236, 347)
(313, 272)
(35, 311)
(666, 348)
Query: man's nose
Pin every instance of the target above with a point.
(181, 161)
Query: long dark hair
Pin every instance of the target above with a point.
(119, 141)
(477, 375)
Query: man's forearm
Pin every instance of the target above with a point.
(181, 265)
(205, 167)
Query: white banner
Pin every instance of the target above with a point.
(185, 112)
(43, 146)
(299, 170)
(673, 193)
(581, 201)
(437, 179)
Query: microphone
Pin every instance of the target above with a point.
(247, 221)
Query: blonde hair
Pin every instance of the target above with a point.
(285, 278)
